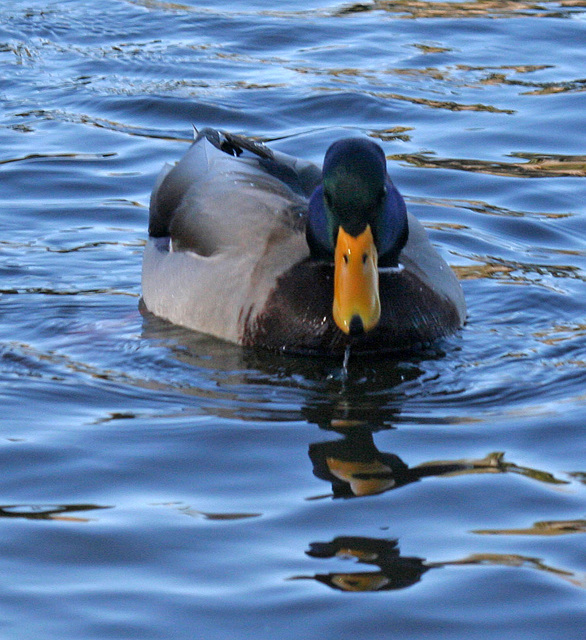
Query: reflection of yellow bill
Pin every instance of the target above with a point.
(360, 581)
(356, 282)
(364, 478)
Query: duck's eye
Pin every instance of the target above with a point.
(382, 194)
(364, 258)
(328, 199)
(345, 258)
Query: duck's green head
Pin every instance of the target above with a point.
(357, 218)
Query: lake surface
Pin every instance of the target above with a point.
(160, 484)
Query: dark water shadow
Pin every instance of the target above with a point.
(61, 513)
(325, 389)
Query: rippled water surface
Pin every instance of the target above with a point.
(159, 484)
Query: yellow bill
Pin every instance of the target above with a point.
(356, 296)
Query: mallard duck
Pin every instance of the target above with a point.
(263, 249)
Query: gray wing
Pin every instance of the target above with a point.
(217, 154)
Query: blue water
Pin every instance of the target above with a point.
(161, 484)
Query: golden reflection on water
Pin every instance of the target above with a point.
(545, 528)
(407, 9)
(535, 165)
(516, 272)
(416, 9)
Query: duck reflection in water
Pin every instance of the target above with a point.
(355, 467)
(398, 572)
